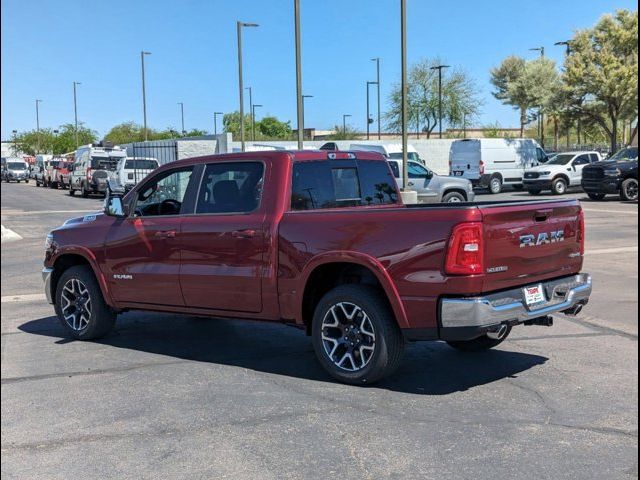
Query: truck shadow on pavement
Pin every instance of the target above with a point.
(429, 368)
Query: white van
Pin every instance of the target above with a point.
(133, 169)
(93, 167)
(494, 162)
(393, 151)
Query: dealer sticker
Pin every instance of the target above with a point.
(534, 295)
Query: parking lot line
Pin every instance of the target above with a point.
(8, 235)
(31, 297)
(602, 251)
(599, 210)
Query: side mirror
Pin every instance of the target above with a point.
(113, 204)
(429, 175)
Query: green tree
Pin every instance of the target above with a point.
(492, 130)
(127, 132)
(33, 142)
(601, 73)
(460, 101)
(231, 124)
(347, 133)
(271, 128)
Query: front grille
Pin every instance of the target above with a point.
(593, 173)
(531, 175)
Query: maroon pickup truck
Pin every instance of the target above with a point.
(320, 240)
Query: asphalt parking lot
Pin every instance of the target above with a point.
(180, 397)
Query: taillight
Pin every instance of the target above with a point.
(581, 231)
(481, 167)
(465, 252)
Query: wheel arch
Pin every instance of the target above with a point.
(329, 270)
(455, 190)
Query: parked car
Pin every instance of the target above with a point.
(133, 169)
(392, 151)
(431, 187)
(94, 165)
(494, 162)
(560, 173)
(320, 240)
(15, 170)
(617, 175)
(57, 169)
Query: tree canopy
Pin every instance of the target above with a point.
(33, 142)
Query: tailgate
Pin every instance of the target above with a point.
(531, 242)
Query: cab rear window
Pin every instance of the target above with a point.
(329, 184)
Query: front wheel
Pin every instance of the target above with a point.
(80, 306)
(485, 342)
(559, 186)
(629, 190)
(453, 197)
(596, 196)
(355, 335)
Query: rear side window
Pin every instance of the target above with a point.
(326, 184)
(141, 164)
(594, 157)
(231, 188)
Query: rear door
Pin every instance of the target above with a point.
(464, 159)
(530, 242)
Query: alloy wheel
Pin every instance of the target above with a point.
(631, 190)
(76, 304)
(348, 336)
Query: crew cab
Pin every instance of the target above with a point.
(563, 171)
(618, 174)
(320, 240)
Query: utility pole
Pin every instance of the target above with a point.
(38, 124)
(369, 120)
(439, 68)
(403, 87)
(15, 142)
(182, 117)
(304, 97)
(250, 106)
(215, 122)
(239, 26)
(540, 112)
(377, 60)
(344, 123)
(75, 110)
(144, 95)
(253, 120)
(299, 100)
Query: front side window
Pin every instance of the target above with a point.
(164, 195)
(417, 171)
(231, 188)
(581, 160)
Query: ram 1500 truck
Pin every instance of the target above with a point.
(320, 240)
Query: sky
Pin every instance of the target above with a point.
(46, 45)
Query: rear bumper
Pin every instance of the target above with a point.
(606, 185)
(476, 315)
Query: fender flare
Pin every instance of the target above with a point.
(89, 256)
(358, 258)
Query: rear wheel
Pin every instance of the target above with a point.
(629, 190)
(596, 196)
(485, 342)
(355, 335)
(453, 197)
(80, 306)
(495, 185)
(559, 186)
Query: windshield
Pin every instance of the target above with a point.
(16, 166)
(104, 163)
(629, 153)
(140, 164)
(560, 159)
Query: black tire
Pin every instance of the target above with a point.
(26, 181)
(101, 318)
(84, 192)
(53, 185)
(72, 192)
(453, 197)
(388, 342)
(495, 185)
(629, 190)
(479, 344)
(559, 186)
(596, 196)
(534, 192)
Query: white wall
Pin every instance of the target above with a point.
(195, 148)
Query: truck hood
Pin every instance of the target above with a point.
(548, 168)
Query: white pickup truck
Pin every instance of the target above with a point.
(559, 173)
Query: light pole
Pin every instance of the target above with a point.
(540, 113)
(239, 26)
(38, 123)
(538, 49)
(418, 122)
(75, 110)
(369, 120)
(377, 60)
(55, 136)
(344, 123)
(304, 97)
(144, 95)
(250, 105)
(299, 96)
(182, 117)
(15, 142)
(253, 120)
(215, 122)
(439, 68)
(567, 44)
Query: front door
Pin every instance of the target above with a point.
(577, 165)
(420, 180)
(223, 244)
(143, 251)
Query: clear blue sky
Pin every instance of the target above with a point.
(46, 45)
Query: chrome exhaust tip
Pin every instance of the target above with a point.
(498, 334)
(575, 310)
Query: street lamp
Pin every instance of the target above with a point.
(182, 116)
(144, 95)
(38, 123)
(15, 142)
(344, 123)
(540, 114)
(239, 26)
(250, 105)
(75, 110)
(299, 96)
(538, 49)
(439, 68)
(55, 135)
(253, 120)
(369, 119)
(303, 105)
(567, 44)
(377, 60)
(215, 122)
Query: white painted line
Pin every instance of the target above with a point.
(598, 210)
(602, 251)
(7, 235)
(45, 212)
(31, 297)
